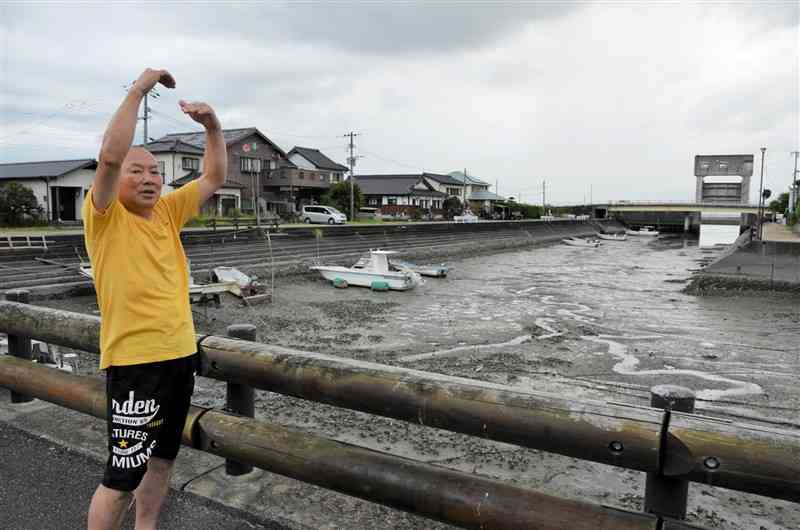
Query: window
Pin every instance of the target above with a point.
(189, 163)
(162, 168)
(250, 165)
(302, 175)
(391, 201)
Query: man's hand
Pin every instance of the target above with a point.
(202, 113)
(150, 77)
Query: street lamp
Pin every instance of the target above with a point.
(761, 196)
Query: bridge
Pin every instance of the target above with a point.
(676, 216)
(682, 207)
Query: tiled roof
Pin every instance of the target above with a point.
(52, 168)
(443, 179)
(392, 185)
(482, 195)
(173, 145)
(231, 136)
(194, 175)
(462, 178)
(316, 157)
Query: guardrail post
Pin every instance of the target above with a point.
(19, 346)
(240, 399)
(666, 496)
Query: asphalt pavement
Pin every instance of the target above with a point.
(44, 486)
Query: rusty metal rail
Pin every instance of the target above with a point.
(722, 453)
(463, 499)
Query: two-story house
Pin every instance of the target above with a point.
(445, 184)
(251, 158)
(476, 193)
(302, 178)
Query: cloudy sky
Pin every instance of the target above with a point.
(604, 99)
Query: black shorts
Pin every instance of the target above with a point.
(147, 407)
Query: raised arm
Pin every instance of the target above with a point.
(215, 158)
(119, 136)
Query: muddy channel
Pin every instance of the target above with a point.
(606, 323)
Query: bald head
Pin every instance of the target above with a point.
(140, 182)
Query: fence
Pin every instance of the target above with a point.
(672, 447)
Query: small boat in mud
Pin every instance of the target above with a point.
(581, 242)
(644, 231)
(433, 271)
(373, 271)
(85, 269)
(612, 237)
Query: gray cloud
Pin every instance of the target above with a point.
(616, 96)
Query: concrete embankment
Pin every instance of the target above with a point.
(294, 249)
(756, 265)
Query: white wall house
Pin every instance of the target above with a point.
(180, 163)
(399, 190)
(59, 185)
(445, 184)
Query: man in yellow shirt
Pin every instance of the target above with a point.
(147, 338)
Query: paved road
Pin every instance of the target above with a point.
(44, 486)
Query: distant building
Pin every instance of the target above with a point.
(59, 185)
(476, 193)
(251, 157)
(729, 178)
(180, 162)
(400, 190)
(306, 174)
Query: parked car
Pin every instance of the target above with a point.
(322, 214)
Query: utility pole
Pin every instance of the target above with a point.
(352, 163)
(146, 118)
(795, 191)
(544, 197)
(761, 196)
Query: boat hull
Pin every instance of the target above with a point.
(612, 237)
(580, 243)
(640, 233)
(397, 281)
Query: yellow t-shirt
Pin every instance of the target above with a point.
(142, 279)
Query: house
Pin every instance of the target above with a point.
(315, 163)
(445, 184)
(251, 158)
(477, 194)
(59, 185)
(180, 162)
(382, 191)
(302, 178)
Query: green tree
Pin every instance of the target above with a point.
(16, 203)
(780, 204)
(338, 196)
(452, 206)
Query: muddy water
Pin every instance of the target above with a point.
(606, 323)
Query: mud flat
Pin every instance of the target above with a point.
(605, 323)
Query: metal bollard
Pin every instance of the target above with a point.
(19, 346)
(666, 496)
(240, 399)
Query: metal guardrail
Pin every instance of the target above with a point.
(667, 444)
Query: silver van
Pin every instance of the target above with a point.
(322, 214)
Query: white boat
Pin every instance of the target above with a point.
(433, 271)
(612, 237)
(85, 269)
(644, 231)
(580, 242)
(373, 271)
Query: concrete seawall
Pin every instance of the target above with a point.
(754, 265)
(293, 250)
